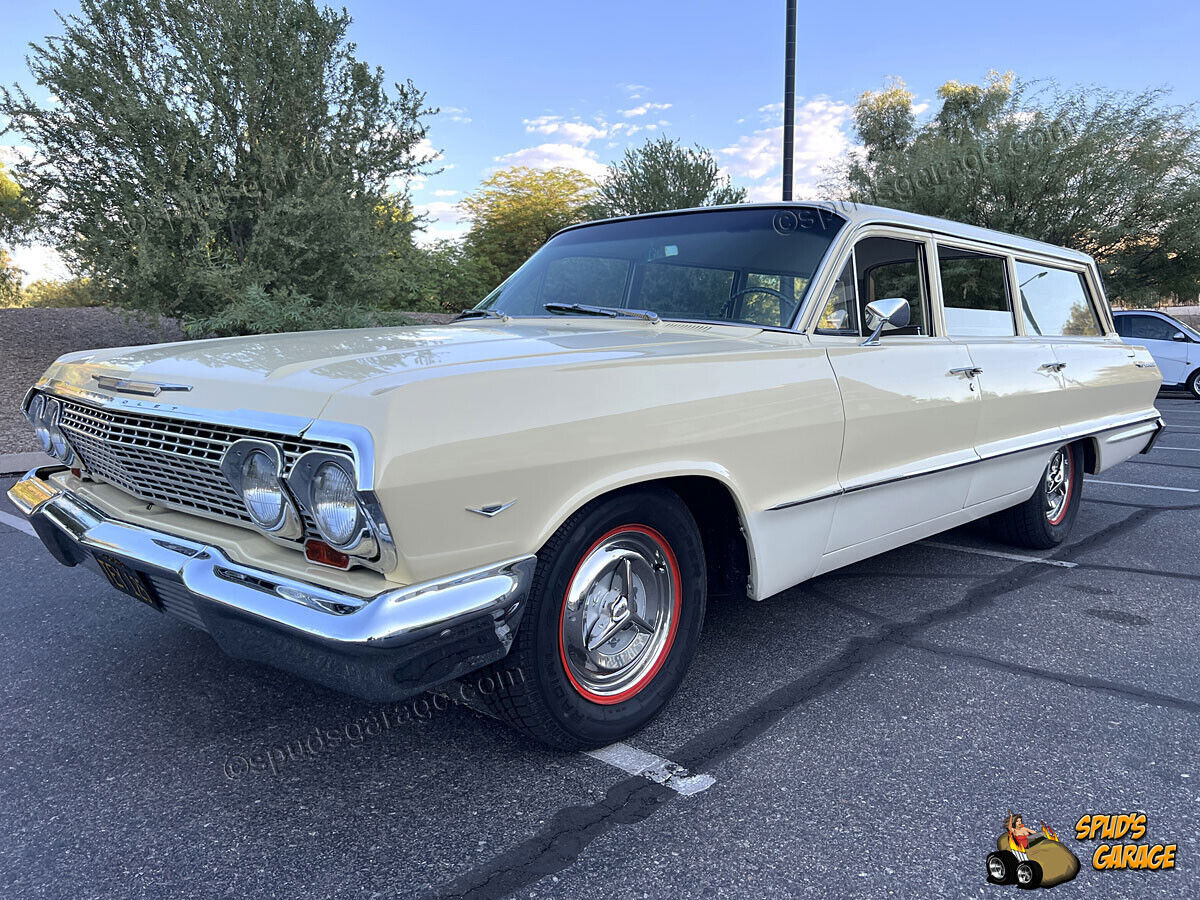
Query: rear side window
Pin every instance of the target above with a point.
(975, 294)
(1055, 301)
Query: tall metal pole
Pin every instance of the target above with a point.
(789, 97)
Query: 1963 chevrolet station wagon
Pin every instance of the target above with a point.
(650, 412)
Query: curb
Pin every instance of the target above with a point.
(20, 463)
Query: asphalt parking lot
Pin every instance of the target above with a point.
(861, 735)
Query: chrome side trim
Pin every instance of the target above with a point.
(823, 495)
(1150, 423)
(1133, 432)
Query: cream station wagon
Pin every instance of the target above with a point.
(650, 412)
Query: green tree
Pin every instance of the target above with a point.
(202, 155)
(1114, 175)
(13, 218)
(664, 174)
(10, 280)
(517, 210)
(76, 292)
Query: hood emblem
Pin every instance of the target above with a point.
(144, 388)
(493, 509)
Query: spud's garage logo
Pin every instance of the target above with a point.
(1029, 857)
(1123, 856)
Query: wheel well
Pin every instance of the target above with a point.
(1089, 446)
(712, 505)
(726, 550)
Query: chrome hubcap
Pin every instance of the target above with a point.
(995, 867)
(1058, 484)
(619, 614)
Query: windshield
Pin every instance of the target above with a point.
(750, 266)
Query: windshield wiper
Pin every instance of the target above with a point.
(487, 313)
(612, 312)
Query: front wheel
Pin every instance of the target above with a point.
(1029, 874)
(612, 624)
(1045, 519)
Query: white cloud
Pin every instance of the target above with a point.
(574, 132)
(39, 261)
(456, 114)
(643, 109)
(444, 192)
(550, 156)
(440, 211)
(820, 140)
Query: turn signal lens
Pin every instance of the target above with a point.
(321, 552)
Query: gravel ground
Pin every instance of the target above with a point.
(31, 339)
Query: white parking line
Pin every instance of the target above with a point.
(660, 771)
(1001, 554)
(17, 523)
(1184, 449)
(1153, 487)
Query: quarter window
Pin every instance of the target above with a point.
(840, 315)
(975, 294)
(1055, 301)
(880, 268)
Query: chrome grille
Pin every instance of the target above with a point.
(169, 461)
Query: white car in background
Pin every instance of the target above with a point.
(1174, 346)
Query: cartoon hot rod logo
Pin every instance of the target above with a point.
(1029, 857)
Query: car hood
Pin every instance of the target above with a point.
(297, 374)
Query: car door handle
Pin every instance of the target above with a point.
(1053, 367)
(969, 371)
(1145, 365)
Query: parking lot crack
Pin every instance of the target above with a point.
(1086, 682)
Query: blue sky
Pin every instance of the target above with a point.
(560, 83)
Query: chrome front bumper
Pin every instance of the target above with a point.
(387, 647)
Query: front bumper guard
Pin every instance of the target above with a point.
(382, 648)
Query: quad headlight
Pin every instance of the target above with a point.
(255, 470)
(261, 491)
(321, 483)
(44, 414)
(36, 413)
(334, 504)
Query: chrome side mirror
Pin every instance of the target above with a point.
(892, 311)
(1179, 336)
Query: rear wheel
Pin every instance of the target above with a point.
(1193, 384)
(613, 622)
(1045, 519)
